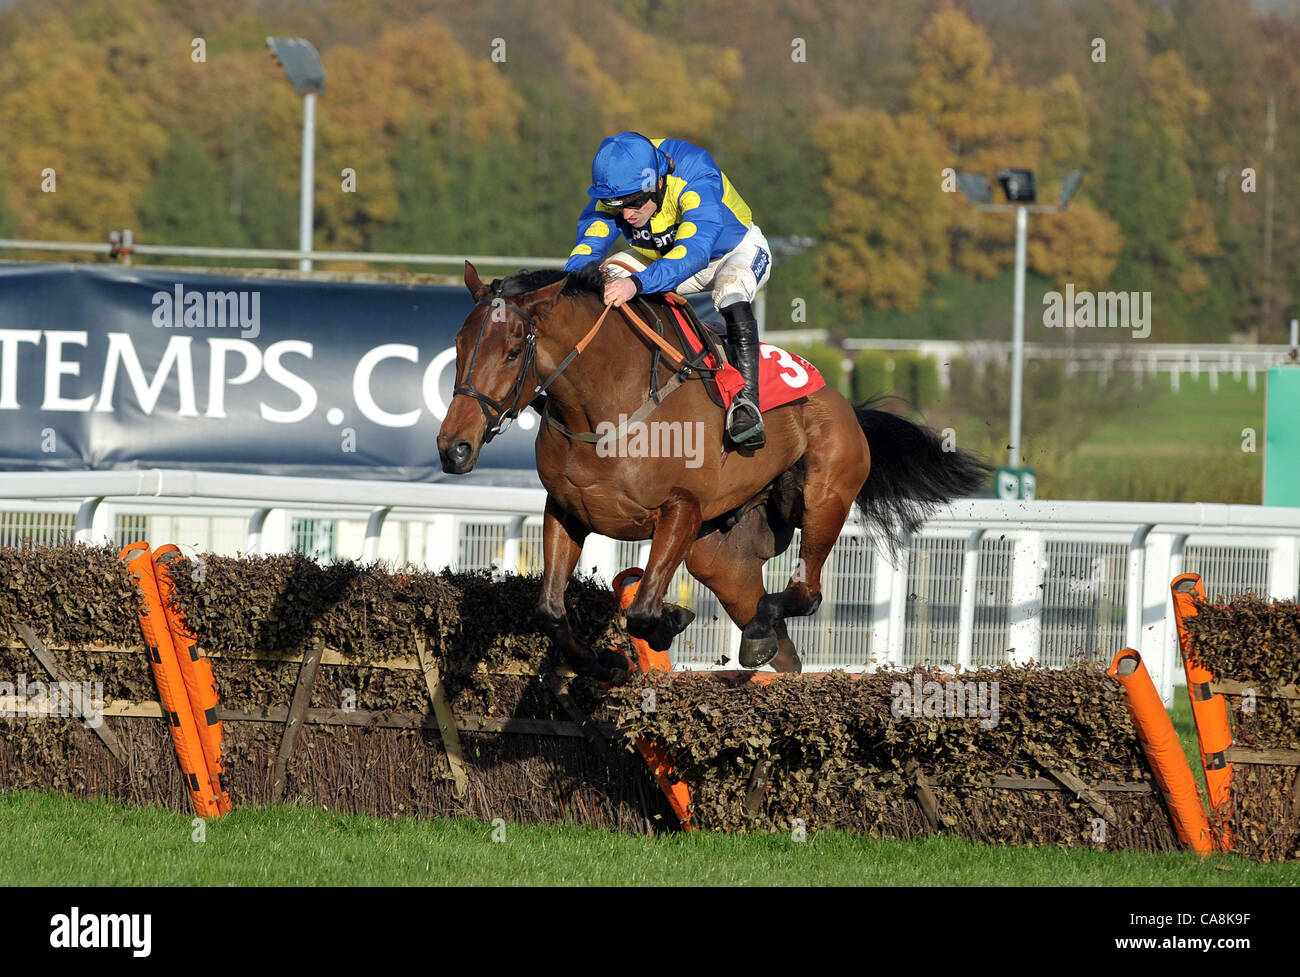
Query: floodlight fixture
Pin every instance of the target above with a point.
(1019, 186)
(975, 187)
(1069, 186)
(300, 62)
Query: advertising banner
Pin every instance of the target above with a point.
(127, 368)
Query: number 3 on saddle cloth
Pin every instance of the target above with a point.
(782, 376)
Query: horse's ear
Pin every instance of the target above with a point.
(541, 301)
(475, 285)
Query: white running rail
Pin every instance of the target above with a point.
(986, 581)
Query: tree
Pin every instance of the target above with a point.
(420, 186)
(698, 81)
(1078, 246)
(982, 120)
(72, 181)
(188, 200)
(887, 233)
(8, 225)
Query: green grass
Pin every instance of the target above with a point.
(1185, 727)
(1178, 447)
(1152, 445)
(50, 839)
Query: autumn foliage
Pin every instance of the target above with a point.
(469, 128)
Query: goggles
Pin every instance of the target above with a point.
(633, 200)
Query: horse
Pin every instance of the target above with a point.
(725, 516)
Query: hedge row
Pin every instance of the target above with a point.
(1257, 642)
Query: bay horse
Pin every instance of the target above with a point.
(725, 516)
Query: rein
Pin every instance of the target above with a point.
(498, 414)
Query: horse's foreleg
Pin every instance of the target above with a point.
(648, 617)
(562, 539)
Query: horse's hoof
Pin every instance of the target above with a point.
(787, 660)
(658, 632)
(673, 620)
(757, 652)
(604, 665)
(612, 660)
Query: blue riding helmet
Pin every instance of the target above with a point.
(621, 165)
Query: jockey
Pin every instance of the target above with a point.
(678, 209)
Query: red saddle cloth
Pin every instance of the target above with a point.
(782, 376)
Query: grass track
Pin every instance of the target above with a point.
(1179, 447)
(49, 839)
(53, 840)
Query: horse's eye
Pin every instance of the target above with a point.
(514, 354)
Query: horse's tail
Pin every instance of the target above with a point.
(912, 473)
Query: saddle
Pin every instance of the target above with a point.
(702, 349)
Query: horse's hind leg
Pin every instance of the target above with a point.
(731, 565)
(835, 469)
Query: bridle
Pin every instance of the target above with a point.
(497, 414)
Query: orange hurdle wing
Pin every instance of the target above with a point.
(171, 686)
(649, 660)
(196, 671)
(1160, 744)
(1210, 711)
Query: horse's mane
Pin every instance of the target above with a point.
(589, 280)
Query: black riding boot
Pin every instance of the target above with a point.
(744, 420)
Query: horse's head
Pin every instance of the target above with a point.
(496, 366)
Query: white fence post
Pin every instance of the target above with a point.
(1025, 616)
(84, 528)
(1156, 610)
(970, 563)
(514, 537)
(1284, 568)
(441, 542)
(374, 530)
(1133, 591)
(888, 605)
(255, 523)
(598, 556)
(896, 646)
(273, 533)
(1171, 653)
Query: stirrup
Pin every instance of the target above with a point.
(753, 436)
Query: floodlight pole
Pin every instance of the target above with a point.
(307, 75)
(306, 201)
(977, 191)
(1018, 338)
